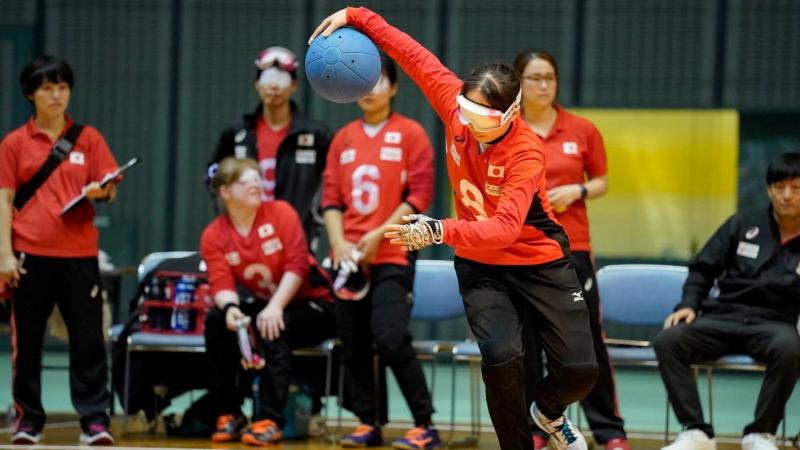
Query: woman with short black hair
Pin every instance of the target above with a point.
(50, 258)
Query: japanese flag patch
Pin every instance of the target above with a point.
(495, 171)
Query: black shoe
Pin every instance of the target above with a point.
(26, 434)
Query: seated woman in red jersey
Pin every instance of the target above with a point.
(262, 247)
(576, 172)
(512, 256)
(379, 168)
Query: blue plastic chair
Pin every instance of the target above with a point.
(638, 295)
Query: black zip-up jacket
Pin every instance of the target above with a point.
(300, 161)
(757, 277)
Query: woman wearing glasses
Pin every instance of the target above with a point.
(258, 246)
(576, 171)
(511, 255)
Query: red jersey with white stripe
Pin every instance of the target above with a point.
(504, 217)
(368, 177)
(39, 228)
(575, 152)
(275, 245)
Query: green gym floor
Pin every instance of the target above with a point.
(641, 397)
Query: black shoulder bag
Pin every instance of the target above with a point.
(61, 149)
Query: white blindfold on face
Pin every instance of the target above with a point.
(382, 86)
(274, 77)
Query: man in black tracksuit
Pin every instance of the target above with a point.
(755, 259)
(290, 147)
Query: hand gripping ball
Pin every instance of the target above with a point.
(343, 67)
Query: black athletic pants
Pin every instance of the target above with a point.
(496, 300)
(600, 405)
(74, 285)
(308, 322)
(711, 336)
(380, 322)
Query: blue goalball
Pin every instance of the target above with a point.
(343, 67)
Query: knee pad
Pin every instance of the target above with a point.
(500, 352)
(577, 375)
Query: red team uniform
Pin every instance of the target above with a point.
(505, 184)
(23, 151)
(268, 141)
(575, 151)
(258, 261)
(511, 253)
(368, 177)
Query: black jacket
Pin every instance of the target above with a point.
(757, 277)
(300, 161)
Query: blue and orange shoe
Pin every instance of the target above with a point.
(263, 433)
(229, 428)
(363, 436)
(419, 438)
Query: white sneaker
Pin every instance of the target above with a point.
(563, 435)
(692, 440)
(759, 441)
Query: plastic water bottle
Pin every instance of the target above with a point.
(184, 295)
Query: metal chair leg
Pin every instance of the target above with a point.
(710, 384)
(452, 402)
(127, 393)
(433, 373)
(476, 399)
(783, 429)
(328, 377)
(666, 421)
(340, 400)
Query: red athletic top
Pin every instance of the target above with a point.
(368, 177)
(39, 228)
(268, 141)
(574, 151)
(504, 217)
(276, 245)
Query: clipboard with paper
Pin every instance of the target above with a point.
(111, 176)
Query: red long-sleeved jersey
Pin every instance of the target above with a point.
(368, 177)
(504, 217)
